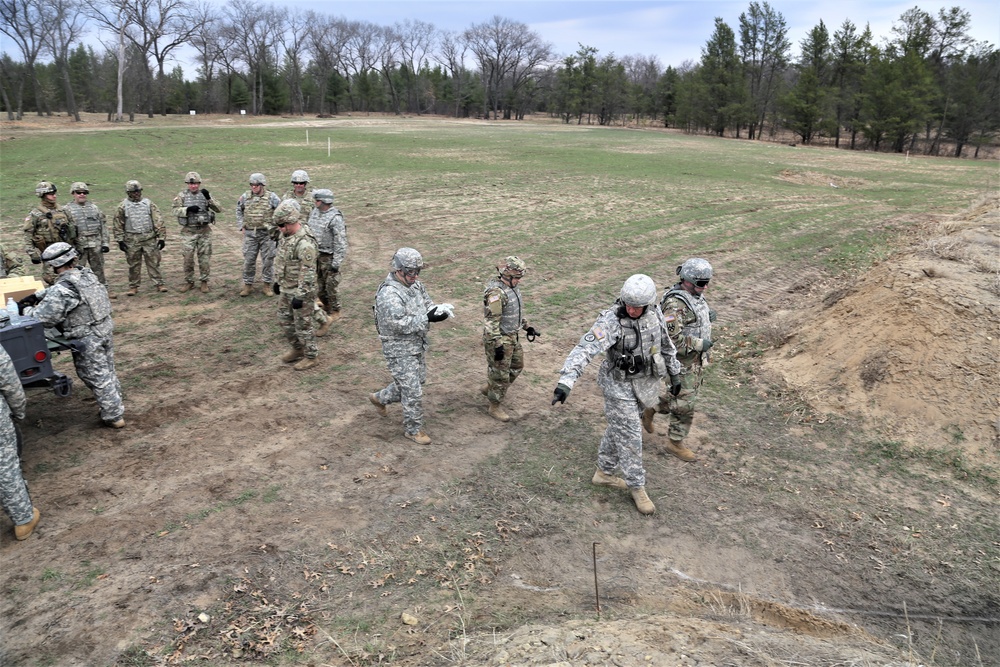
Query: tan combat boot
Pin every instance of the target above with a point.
(419, 437)
(204, 287)
(485, 390)
(267, 290)
(647, 420)
(305, 364)
(118, 423)
(498, 413)
(246, 290)
(603, 479)
(23, 532)
(162, 288)
(132, 291)
(333, 314)
(378, 405)
(642, 501)
(677, 448)
(293, 354)
(324, 328)
(186, 287)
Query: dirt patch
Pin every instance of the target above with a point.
(816, 178)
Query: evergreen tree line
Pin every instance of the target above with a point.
(928, 86)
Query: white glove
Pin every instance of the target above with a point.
(446, 308)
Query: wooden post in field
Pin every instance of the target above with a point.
(328, 146)
(307, 137)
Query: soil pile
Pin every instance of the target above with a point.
(914, 345)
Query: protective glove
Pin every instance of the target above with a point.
(334, 269)
(560, 394)
(434, 315)
(531, 333)
(205, 192)
(27, 302)
(63, 232)
(711, 315)
(675, 385)
(161, 244)
(498, 353)
(105, 248)
(296, 302)
(36, 260)
(122, 246)
(275, 234)
(193, 209)
(276, 288)
(702, 344)
(447, 308)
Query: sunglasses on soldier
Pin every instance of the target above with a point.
(701, 283)
(411, 273)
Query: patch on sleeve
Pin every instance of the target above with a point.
(596, 333)
(495, 296)
(669, 318)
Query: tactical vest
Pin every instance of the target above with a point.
(701, 327)
(203, 217)
(257, 211)
(138, 217)
(48, 231)
(636, 353)
(287, 267)
(306, 201)
(319, 224)
(87, 218)
(95, 306)
(510, 318)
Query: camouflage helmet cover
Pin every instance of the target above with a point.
(512, 266)
(192, 177)
(287, 212)
(258, 178)
(79, 186)
(133, 186)
(639, 290)
(58, 254)
(44, 188)
(300, 176)
(407, 258)
(695, 269)
(323, 195)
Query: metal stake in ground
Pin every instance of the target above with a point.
(597, 593)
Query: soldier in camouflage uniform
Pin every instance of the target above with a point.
(13, 490)
(689, 320)
(295, 282)
(10, 264)
(639, 352)
(140, 234)
(254, 212)
(78, 305)
(46, 224)
(91, 230)
(301, 192)
(504, 318)
(403, 311)
(327, 224)
(195, 210)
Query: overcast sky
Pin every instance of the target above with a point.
(674, 31)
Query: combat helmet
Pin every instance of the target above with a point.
(323, 195)
(638, 291)
(44, 188)
(512, 267)
(58, 254)
(300, 176)
(258, 178)
(192, 177)
(407, 258)
(133, 186)
(79, 186)
(695, 269)
(287, 212)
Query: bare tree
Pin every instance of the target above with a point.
(764, 49)
(451, 56)
(253, 33)
(292, 36)
(206, 41)
(68, 21)
(508, 54)
(386, 48)
(29, 24)
(326, 41)
(415, 40)
(361, 56)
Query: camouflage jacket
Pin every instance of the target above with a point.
(330, 232)
(689, 322)
(60, 300)
(15, 401)
(119, 222)
(45, 226)
(295, 264)
(401, 317)
(256, 212)
(10, 264)
(502, 310)
(306, 201)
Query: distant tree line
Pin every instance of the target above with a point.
(926, 86)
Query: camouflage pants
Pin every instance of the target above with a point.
(409, 373)
(501, 374)
(296, 324)
(319, 316)
(621, 445)
(258, 242)
(141, 247)
(13, 490)
(328, 280)
(680, 409)
(91, 255)
(94, 359)
(196, 241)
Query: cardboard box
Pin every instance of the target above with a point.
(18, 287)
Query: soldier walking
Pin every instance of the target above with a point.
(403, 311)
(639, 352)
(254, 213)
(141, 235)
(295, 283)
(91, 230)
(47, 223)
(504, 318)
(689, 321)
(195, 210)
(13, 490)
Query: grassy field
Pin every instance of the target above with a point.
(774, 500)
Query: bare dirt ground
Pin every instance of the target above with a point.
(251, 514)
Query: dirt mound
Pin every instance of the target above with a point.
(913, 345)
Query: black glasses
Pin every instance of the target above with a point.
(298, 182)
(701, 283)
(411, 273)
(280, 224)
(81, 192)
